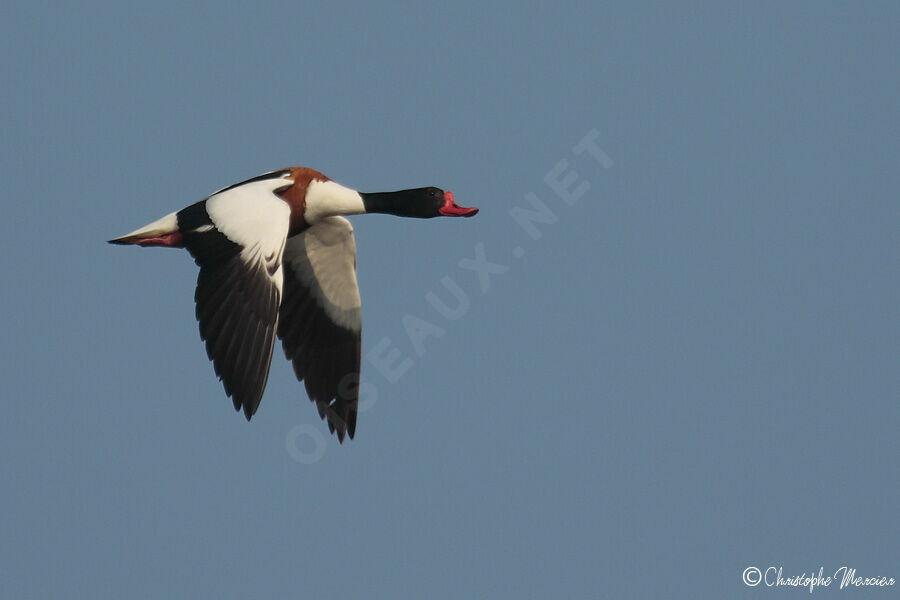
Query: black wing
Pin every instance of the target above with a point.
(238, 294)
(320, 322)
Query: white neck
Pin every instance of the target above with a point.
(329, 199)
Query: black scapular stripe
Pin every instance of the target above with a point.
(263, 177)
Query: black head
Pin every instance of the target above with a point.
(422, 203)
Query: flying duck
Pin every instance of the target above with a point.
(277, 258)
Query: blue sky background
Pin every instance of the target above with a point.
(692, 371)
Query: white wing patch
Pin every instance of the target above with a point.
(252, 215)
(324, 259)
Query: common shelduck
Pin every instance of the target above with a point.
(277, 258)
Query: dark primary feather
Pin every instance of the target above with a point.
(237, 307)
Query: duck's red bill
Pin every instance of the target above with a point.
(452, 209)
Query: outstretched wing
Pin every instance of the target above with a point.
(321, 319)
(237, 236)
